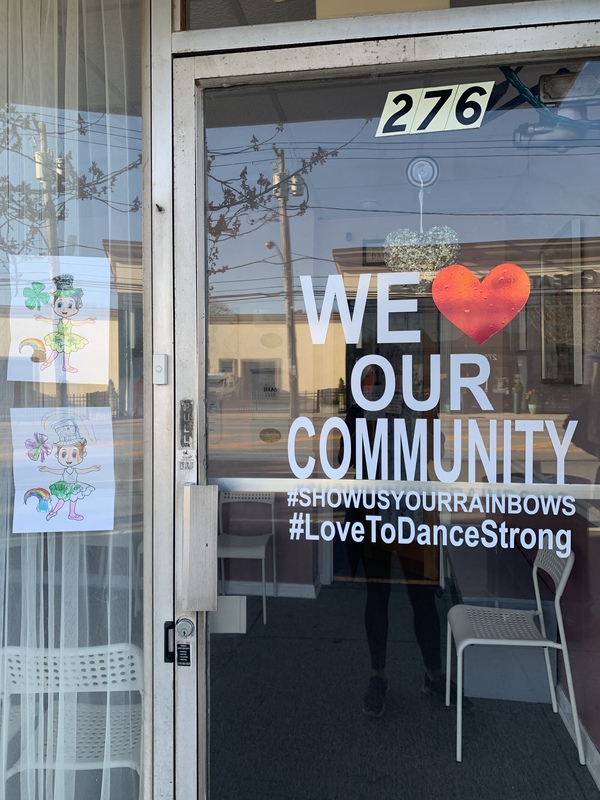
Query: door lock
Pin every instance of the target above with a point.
(185, 627)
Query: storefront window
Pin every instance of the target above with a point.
(71, 401)
(203, 14)
(404, 334)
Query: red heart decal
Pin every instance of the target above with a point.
(481, 308)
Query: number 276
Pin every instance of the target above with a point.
(440, 108)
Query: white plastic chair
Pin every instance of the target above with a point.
(248, 546)
(10, 723)
(85, 727)
(479, 625)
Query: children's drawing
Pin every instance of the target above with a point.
(66, 292)
(37, 448)
(70, 452)
(38, 349)
(41, 495)
(36, 296)
(81, 441)
(66, 303)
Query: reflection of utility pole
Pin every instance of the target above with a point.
(291, 329)
(282, 184)
(46, 173)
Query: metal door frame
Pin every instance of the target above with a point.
(182, 66)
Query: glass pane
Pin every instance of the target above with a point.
(205, 14)
(71, 400)
(403, 325)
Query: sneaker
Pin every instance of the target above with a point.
(374, 699)
(438, 689)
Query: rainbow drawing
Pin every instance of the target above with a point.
(42, 496)
(38, 349)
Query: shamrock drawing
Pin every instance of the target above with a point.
(36, 297)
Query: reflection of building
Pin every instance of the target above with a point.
(252, 351)
(126, 267)
(553, 341)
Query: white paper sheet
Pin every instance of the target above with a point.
(62, 483)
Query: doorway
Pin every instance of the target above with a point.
(366, 211)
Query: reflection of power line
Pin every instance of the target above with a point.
(67, 130)
(221, 279)
(247, 298)
(446, 213)
(501, 148)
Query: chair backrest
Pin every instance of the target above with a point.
(110, 668)
(264, 498)
(558, 568)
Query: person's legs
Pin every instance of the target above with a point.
(428, 635)
(426, 626)
(377, 572)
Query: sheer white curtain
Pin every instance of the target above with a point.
(70, 101)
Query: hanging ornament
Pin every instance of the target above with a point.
(426, 252)
(408, 251)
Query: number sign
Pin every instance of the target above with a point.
(439, 108)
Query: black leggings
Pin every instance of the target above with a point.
(377, 565)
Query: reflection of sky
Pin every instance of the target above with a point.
(109, 142)
(488, 189)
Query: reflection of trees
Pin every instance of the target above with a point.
(554, 318)
(38, 187)
(591, 318)
(569, 285)
(39, 198)
(243, 203)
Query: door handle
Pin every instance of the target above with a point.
(198, 591)
(169, 642)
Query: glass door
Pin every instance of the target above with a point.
(401, 366)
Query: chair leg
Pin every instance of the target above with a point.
(448, 660)
(138, 571)
(567, 664)
(103, 566)
(264, 580)
(134, 578)
(550, 680)
(274, 568)
(459, 694)
(4, 738)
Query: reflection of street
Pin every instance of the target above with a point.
(239, 440)
(580, 467)
(248, 439)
